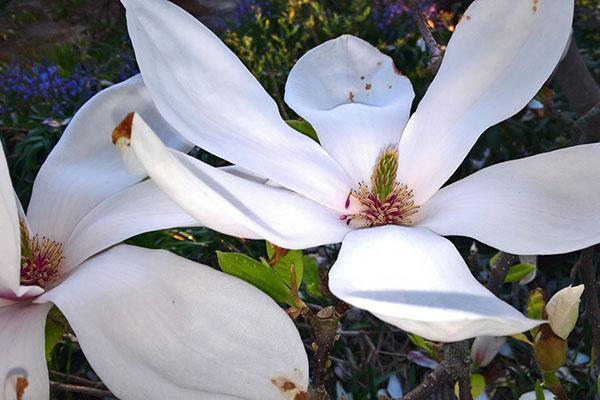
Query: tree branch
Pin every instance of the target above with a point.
(499, 270)
(436, 54)
(94, 392)
(588, 273)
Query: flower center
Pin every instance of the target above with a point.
(40, 260)
(385, 201)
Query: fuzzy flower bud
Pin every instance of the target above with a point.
(550, 351)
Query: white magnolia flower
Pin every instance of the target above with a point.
(374, 183)
(152, 325)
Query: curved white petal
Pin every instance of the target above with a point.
(354, 97)
(138, 209)
(10, 242)
(22, 349)
(85, 168)
(498, 58)
(274, 213)
(545, 204)
(208, 95)
(417, 281)
(180, 330)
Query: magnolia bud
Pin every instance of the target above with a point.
(550, 351)
(563, 309)
(485, 348)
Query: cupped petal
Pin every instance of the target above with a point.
(84, 168)
(181, 330)
(208, 95)
(499, 56)
(417, 281)
(22, 345)
(545, 204)
(274, 213)
(138, 209)
(354, 97)
(10, 238)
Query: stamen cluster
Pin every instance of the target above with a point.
(40, 260)
(385, 201)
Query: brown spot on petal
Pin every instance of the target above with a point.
(22, 384)
(468, 17)
(123, 130)
(351, 97)
(289, 389)
(379, 63)
(362, 78)
(368, 86)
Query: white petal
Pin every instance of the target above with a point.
(417, 281)
(10, 243)
(545, 204)
(485, 348)
(180, 330)
(276, 214)
(85, 168)
(354, 97)
(22, 346)
(498, 58)
(208, 95)
(531, 396)
(141, 208)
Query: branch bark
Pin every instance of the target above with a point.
(436, 54)
(499, 270)
(94, 392)
(324, 326)
(588, 273)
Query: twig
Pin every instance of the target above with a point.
(588, 273)
(324, 327)
(580, 87)
(429, 385)
(499, 271)
(436, 54)
(77, 379)
(94, 392)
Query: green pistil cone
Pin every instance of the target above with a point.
(383, 180)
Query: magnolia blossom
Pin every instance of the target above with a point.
(374, 181)
(152, 325)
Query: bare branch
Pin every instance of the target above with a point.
(89, 391)
(436, 54)
(499, 271)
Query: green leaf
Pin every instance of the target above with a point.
(283, 267)
(494, 259)
(423, 344)
(477, 386)
(304, 128)
(539, 391)
(257, 274)
(518, 272)
(53, 331)
(312, 279)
